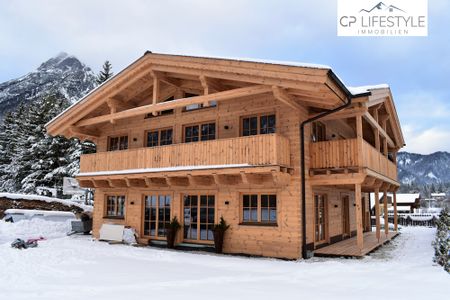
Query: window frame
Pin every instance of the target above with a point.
(259, 221)
(315, 137)
(106, 214)
(156, 221)
(258, 122)
(159, 130)
(118, 136)
(199, 206)
(199, 131)
(162, 113)
(212, 104)
(325, 217)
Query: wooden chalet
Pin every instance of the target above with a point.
(200, 138)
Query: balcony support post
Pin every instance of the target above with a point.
(359, 137)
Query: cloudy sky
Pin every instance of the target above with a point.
(417, 68)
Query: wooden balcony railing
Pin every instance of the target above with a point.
(260, 150)
(345, 154)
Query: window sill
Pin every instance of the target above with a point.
(114, 218)
(258, 224)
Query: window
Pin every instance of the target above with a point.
(118, 143)
(164, 112)
(319, 133)
(115, 206)
(197, 106)
(320, 205)
(199, 216)
(157, 215)
(261, 124)
(203, 132)
(259, 208)
(159, 137)
(250, 207)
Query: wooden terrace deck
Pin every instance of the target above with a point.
(349, 248)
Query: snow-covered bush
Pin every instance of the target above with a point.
(442, 242)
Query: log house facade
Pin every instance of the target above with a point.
(200, 138)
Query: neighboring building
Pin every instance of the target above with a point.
(200, 138)
(439, 196)
(406, 203)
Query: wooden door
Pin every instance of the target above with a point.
(321, 219)
(345, 215)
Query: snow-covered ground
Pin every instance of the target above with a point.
(77, 267)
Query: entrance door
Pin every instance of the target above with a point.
(156, 214)
(199, 217)
(320, 207)
(345, 215)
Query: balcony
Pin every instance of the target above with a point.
(344, 154)
(260, 153)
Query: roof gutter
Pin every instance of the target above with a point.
(347, 103)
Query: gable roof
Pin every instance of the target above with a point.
(288, 75)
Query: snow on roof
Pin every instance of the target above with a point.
(169, 169)
(401, 198)
(260, 60)
(366, 88)
(438, 195)
(45, 199)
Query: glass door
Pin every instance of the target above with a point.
(156, 214)
(199, 217)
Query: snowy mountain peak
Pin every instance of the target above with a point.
(420, 170)
(63, 74)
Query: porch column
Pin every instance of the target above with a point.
(359, 225)
(377, 213)
(395, 211)
(385, 203)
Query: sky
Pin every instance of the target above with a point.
(416, 68)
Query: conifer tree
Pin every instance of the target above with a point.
(105, 73)
(29, 157)
(442, 241)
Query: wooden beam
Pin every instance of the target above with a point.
(375, 124)
(156, 93)
(118, 104)
(359, 223)
(385, 208)
(337, 179)
(161, 77)
(145, 109)
(281, 95)
(85, 132)
(345, 114)
(359, 139)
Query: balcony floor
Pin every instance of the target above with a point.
(349, 248)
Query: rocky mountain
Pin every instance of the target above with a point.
(63, 74)
(421, 170)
